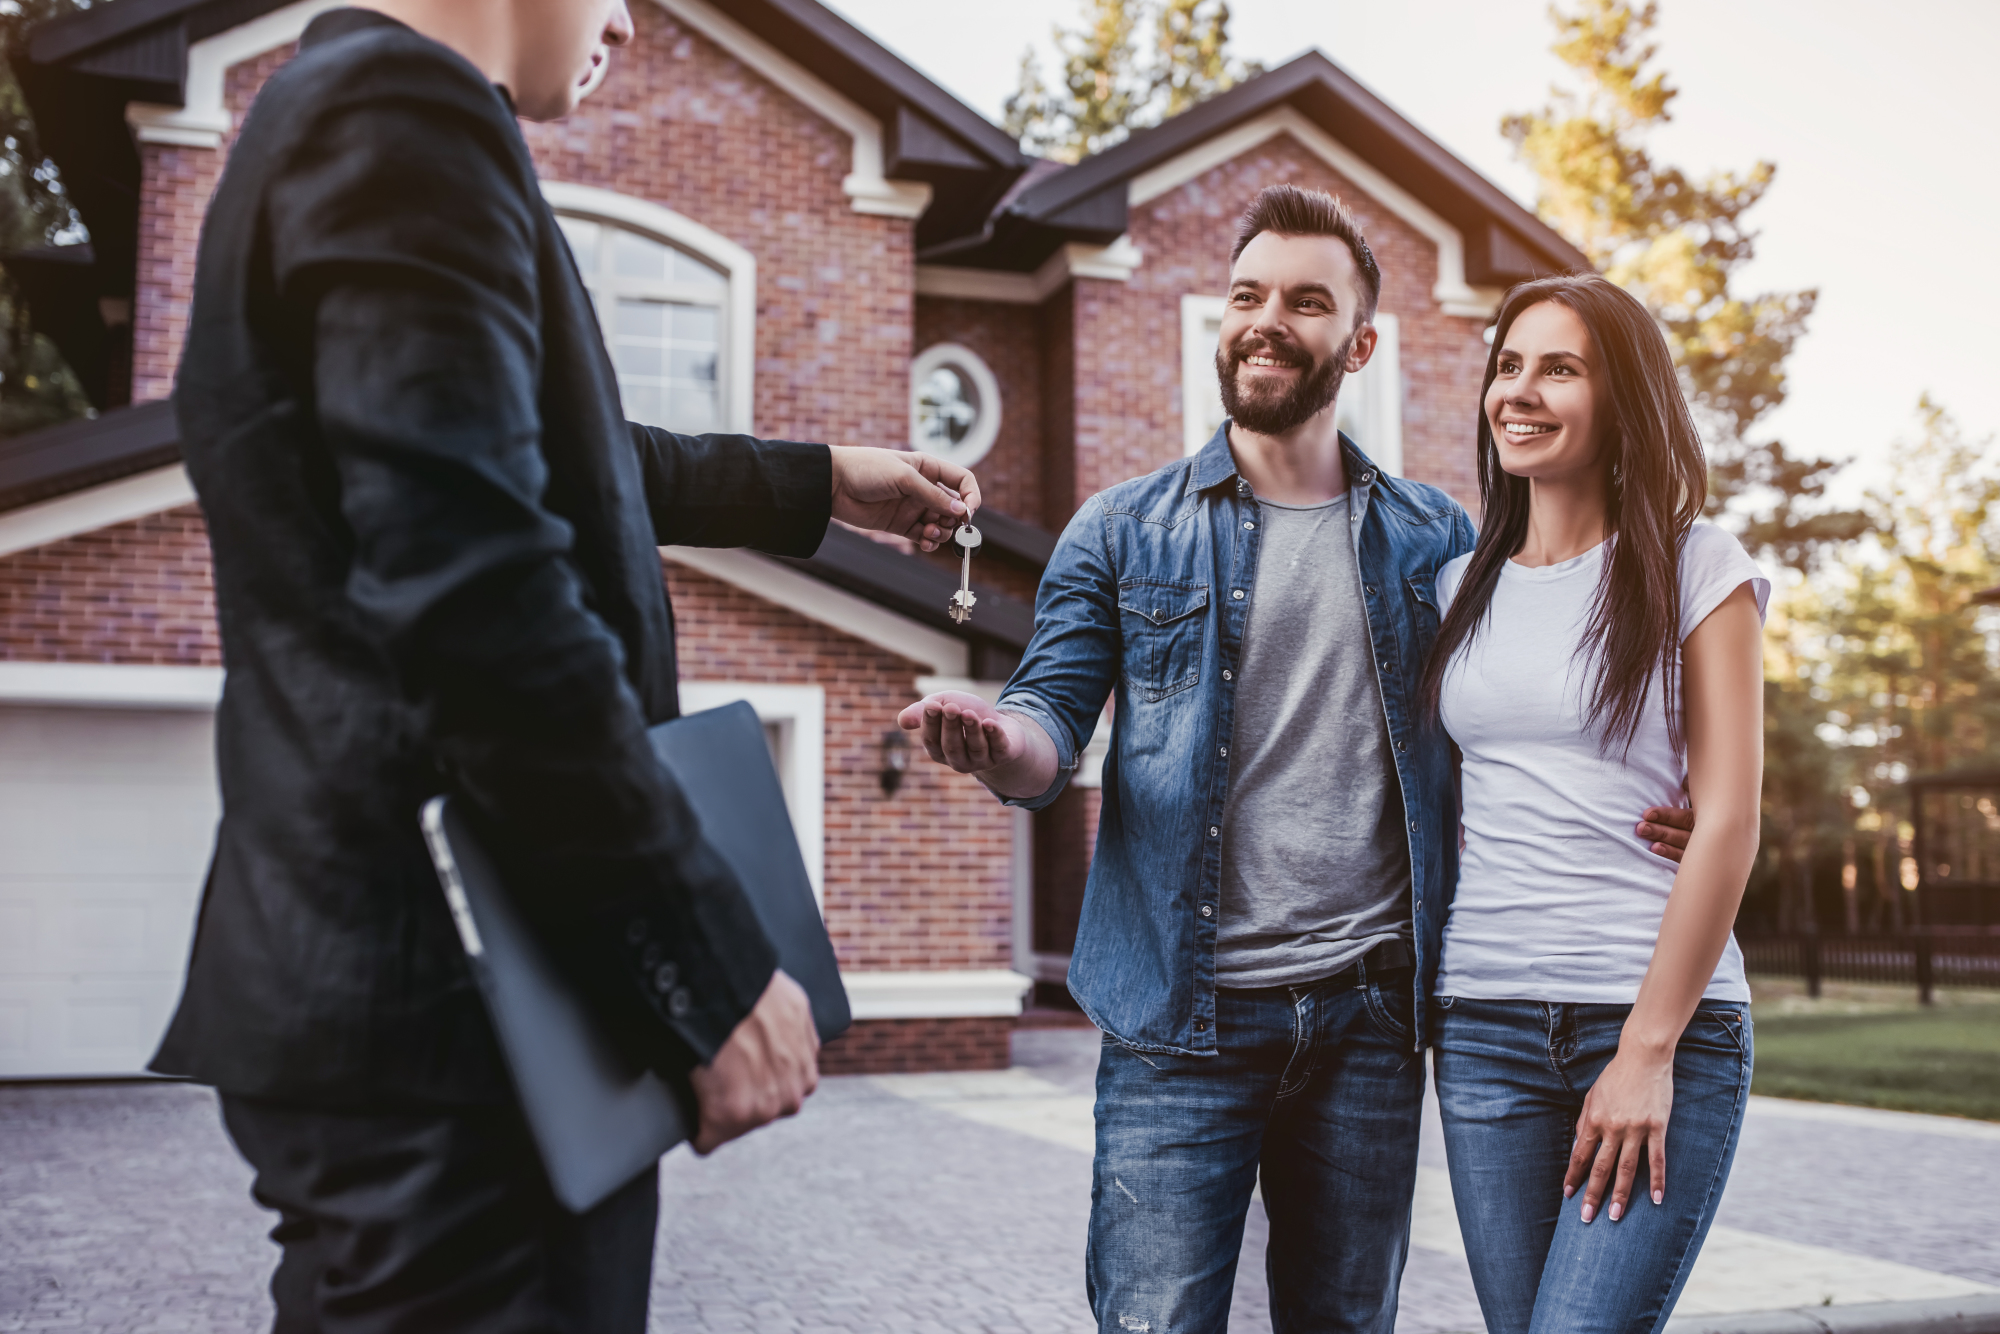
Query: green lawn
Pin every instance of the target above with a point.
(1945, 1059)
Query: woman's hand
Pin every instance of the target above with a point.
(1624, 1116)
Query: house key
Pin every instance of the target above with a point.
(960, 610)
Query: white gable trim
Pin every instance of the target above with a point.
(205, 120)
(1115, 263)
(99, 685)
(98, 507)
(799, 713)
(779, 584)
(865, 184)
(740, 264)
(1451, 291)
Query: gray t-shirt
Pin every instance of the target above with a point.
(1315, 865)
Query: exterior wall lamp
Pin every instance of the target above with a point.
(895, 760)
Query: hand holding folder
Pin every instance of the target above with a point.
(596, 1119)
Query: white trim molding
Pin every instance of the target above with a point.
(1199, 390)
(680, 230)
(95, 507)
(799, 715)
(101, 685)
(985, 386)
(204, 120)
(865, 186)
(1451, 291)
(780, 584)
(1116, 262)
(961, 993)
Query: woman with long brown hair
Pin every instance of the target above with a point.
(1599, 653)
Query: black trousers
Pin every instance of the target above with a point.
(437, 1220)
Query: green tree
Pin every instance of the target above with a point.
(1679, 244)
(1879, 666)
(1127, 65)
(36, 387)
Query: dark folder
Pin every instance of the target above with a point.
(597, 1120)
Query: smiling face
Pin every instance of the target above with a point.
(1289, 331)
(1544, 403)
(564, 50)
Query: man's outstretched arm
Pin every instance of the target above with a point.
(776, 495)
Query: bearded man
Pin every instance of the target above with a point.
(1279, 835)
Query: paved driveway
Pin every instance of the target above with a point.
(932, 1202)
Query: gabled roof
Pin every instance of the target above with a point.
(80, 72)
(1504, 242)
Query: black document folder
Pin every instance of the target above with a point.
(597, 1120)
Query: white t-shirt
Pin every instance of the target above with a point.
(1558, 899)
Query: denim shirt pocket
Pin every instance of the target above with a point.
(1424, 616)
(1163, 621)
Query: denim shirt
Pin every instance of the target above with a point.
(1146, 598)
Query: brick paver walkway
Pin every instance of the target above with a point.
(123, 1208)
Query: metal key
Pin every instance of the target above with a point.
(960, 610)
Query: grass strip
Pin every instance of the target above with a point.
(1945, 1061)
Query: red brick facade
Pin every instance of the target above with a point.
(1091, 395)
(905, 1046)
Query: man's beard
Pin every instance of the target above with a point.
(1272, 411)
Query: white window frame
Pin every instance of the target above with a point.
(1371, 401)
(985, 431)
(735, 378)
(799, 712)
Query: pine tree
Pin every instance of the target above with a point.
(36, 387)
(1679, 244)
(1112, 82)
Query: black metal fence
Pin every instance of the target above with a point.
(1937, 957)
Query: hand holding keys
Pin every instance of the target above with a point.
(960, 609)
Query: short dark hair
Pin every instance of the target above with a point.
(1291, 211)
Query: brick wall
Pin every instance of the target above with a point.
(900, 1046)
(918, 880)
(1127, 335)
(1008, 339)
(138, 592)
(175, 184)
(685, 125)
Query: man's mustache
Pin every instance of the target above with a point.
(1245, 348)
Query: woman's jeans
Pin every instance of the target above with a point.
(1511, 1079)
(1318, 1086)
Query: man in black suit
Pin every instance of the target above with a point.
(436, 565)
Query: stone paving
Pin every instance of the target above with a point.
(887, 1208)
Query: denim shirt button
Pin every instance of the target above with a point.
(1238, 594)
(1249, 525)
(1201, 1025)
(1226, 676)
(1207, 911)
(1413, 826)
(1225, 752)
(1213, 832)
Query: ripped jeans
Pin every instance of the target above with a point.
(1319, 1090)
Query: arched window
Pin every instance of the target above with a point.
(675, 301)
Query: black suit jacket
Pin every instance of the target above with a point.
(436, 568)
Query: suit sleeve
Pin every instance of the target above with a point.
(735, 491)
(403, 249)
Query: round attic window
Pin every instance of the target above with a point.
(954, 404)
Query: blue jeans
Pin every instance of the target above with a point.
(1320, 1087)
(1512, 1076)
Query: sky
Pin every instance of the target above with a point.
(1887, 196)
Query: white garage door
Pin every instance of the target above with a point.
(107, 817)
